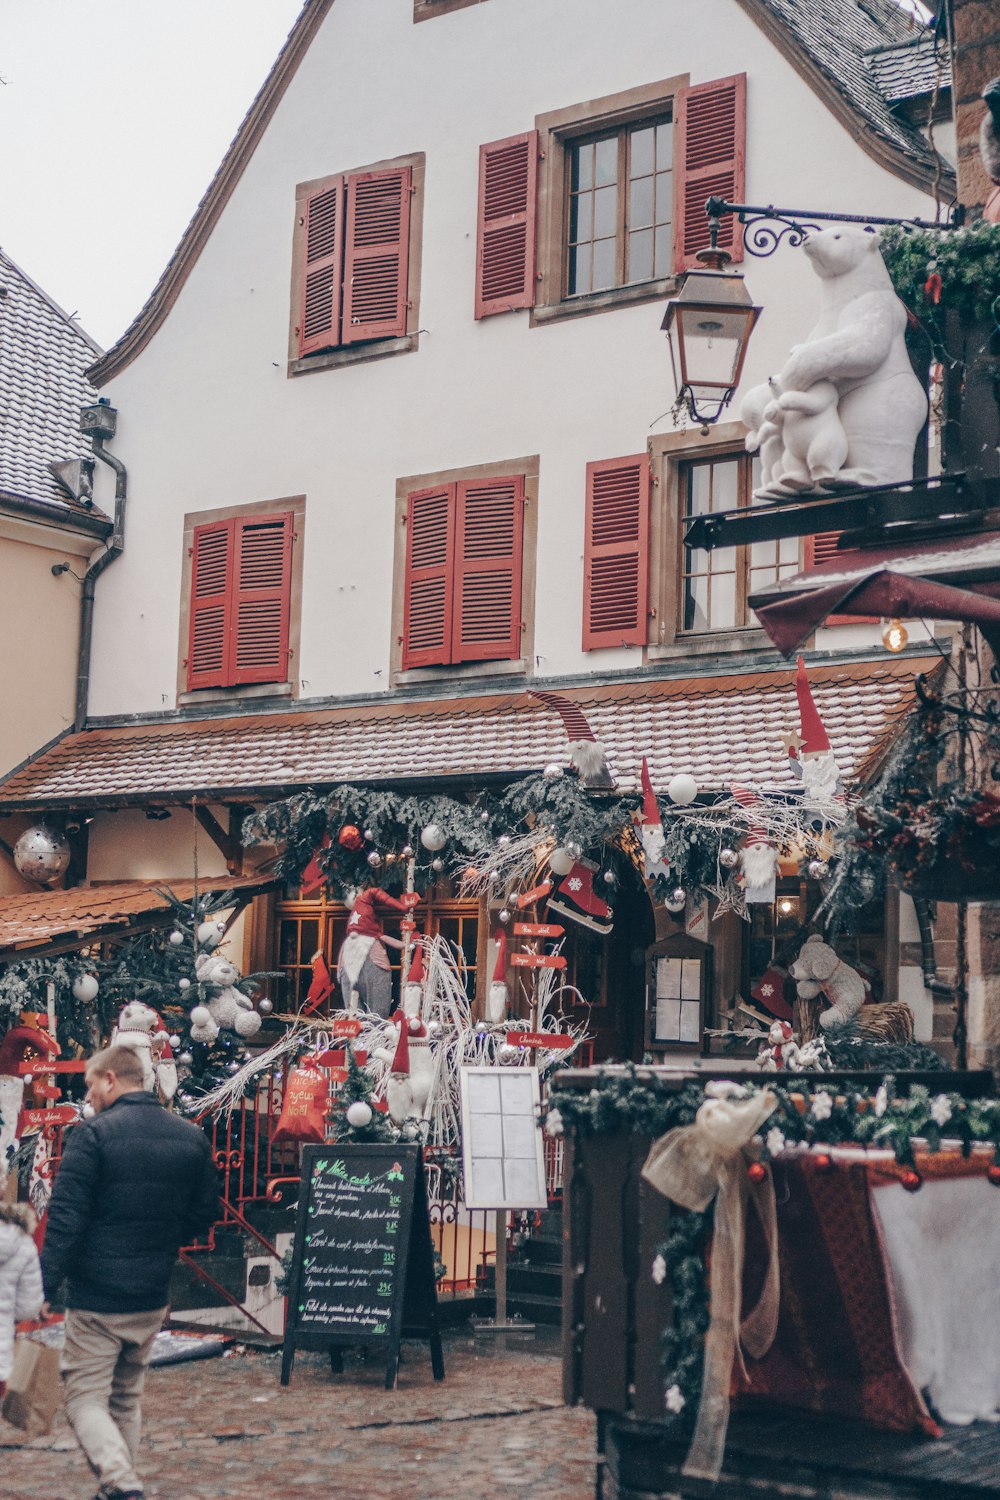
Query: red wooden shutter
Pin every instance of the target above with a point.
(261, 599)
(430, 566)
(616, 553)
(505, 253)
(376, 255)
(210, 607)
(489, 522)
(322, 246)
(710, 157)
(822, 548)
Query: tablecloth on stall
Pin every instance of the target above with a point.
(836, 1350)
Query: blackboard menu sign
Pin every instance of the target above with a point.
(362, 1261)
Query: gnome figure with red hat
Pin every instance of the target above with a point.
(19, 1041)
(651, 829)
(408, 1089)
(496, 1003)
(810, 755)
(362, 963)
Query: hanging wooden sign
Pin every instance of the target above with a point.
(43, 1065)
(37, 1119)
(537, 893)
(345, 1026)
(538, 929)
(362, 1260)
(557, 1041)
(538, 961)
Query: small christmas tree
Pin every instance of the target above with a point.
(357, 1090)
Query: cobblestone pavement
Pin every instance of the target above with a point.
(494, 1429)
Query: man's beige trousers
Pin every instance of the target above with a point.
(103, 1367)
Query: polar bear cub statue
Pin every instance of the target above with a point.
(859, 345)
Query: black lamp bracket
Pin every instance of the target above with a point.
(766, 227)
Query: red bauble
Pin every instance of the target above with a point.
(993, 1173)
(350, 837)
(824, 1162)
(756, 1171)
(911, 1181)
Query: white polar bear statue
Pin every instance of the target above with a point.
(763, 417)
(859, 346)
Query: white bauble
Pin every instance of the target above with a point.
(561, 861)
(175, 1042)
(682, 789)
(433, 837)
(176, 938)
(210, 934)
(85, 988)
(183, 984)
(41, 854)
(553, 770)
(359, 1114)
(201, 1016)
(265, 1006)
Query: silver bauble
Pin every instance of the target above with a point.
(41, 854)
(186, 1059)
(406, 852)
(369, 835)
(503, 840)
(484, 817)
(507, 1053)
(433, 837)
(504, 916)
(817, 869)
(574, 851)
(437, 865)
(728, 859)
(676, 900)
(374, 859)
(609, 877)
(553, 770)
(85, 988)
(265, 1006)
(233, 1067)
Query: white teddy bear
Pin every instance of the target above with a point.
(818, 970)
(228, 1008)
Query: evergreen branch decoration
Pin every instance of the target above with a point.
(967, 261)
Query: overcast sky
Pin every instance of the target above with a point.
(114, 115)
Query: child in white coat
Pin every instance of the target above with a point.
(20, 1279)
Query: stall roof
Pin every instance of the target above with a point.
(957, 579)
(39, 923)
(720, 729)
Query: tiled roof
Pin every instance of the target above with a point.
(719, 729)
(836, 35)
(43, 356)
(41, 919)
(911, 69)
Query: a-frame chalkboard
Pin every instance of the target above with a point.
(362, 1262)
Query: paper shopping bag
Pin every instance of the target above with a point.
(34, 1389)
(304, 1107)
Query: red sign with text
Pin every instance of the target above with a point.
(538, 929)
(346, 1026)
(557, 1041)
(537, 893)
(538, 961)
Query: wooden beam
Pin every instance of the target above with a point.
(230, 848)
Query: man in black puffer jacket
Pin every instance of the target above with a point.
(134, 1184)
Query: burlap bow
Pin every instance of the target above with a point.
(691, 1165)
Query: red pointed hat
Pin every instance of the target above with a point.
(500, 967)
(814, 737)
(650, 806)
(401, 1057)
(416, 974)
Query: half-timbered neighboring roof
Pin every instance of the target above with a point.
(44, 356)
(827, 39)
(720, 729)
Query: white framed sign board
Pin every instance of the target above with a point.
(502, 1158)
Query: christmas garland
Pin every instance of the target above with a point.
(810, 1116)
(933, 272)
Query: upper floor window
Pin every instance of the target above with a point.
(620, 207)
(622, 184)
(355, 287)
(464, 569)
(716, 585)
(239, 620)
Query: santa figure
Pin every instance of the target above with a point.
(758, 857)
(18, 1042)
(651, 829)
(362, 963)
(408, 1087)
(413, 989)
(496, 1004)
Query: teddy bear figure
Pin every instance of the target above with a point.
(228, 1007)
(818, 970)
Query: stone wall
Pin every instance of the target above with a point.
(976, 61)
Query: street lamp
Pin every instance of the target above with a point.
(708, 326)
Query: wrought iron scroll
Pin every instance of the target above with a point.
(766, 227)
